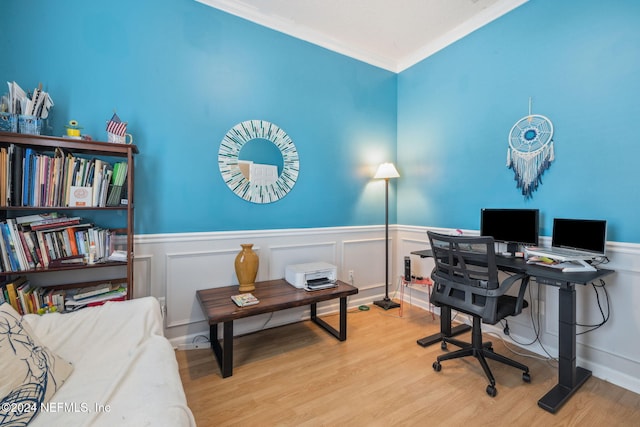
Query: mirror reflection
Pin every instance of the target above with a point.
(257, 153)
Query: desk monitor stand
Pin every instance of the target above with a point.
(578, 265)
(512, 248)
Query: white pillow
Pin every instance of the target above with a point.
(30, 373)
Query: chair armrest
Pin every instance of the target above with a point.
(505, 285)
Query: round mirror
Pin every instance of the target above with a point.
(258, 161)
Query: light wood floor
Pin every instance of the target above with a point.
(298, 375)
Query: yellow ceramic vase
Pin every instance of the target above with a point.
(246, 265)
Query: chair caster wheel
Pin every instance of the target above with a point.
(437, 366)
(443, 345)
(526, 377)
(491, 391)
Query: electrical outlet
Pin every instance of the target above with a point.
(351, 276)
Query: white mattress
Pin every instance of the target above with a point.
(125, 370)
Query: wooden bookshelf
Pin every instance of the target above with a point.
(109, 152)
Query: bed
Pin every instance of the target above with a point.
(112, 363)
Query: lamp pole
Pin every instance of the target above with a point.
(386, 303)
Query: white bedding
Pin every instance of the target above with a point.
(125, 371)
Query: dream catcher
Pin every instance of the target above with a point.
(530, 151)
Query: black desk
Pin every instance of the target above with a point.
(570, 376)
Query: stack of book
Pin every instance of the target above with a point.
(243, 300)
(28, 299)
(50, 241)
(96, 295)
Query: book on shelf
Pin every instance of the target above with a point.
(28, 219)
(245, 299)
(67, 260)
(27, 251)
(41, 179)
(27, 184)
(26, 298)
(44, 250)
(3, 177)
(93, 291)
(5, 264)
(118, 293)
(101, 180)
(12, 292)
(9, 247)
(17, 244)
(53, 223)
(15, 162)
(57, 242)
(80, 196)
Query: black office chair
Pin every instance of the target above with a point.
(466, 279)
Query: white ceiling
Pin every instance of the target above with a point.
(391, 34)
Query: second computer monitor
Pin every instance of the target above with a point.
(511, 226)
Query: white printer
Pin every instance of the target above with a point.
(313, 275)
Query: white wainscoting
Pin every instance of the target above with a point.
(174, 266)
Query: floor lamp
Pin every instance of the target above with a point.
(386, 171)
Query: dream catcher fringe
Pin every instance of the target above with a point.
(530, 151)
(529, 167)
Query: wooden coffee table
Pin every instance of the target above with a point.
(274, 295)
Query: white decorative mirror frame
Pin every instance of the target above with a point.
(228, 157)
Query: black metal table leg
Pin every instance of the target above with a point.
(342, 333)
(570, 376)
(224, 352)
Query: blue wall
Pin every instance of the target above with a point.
(580, 64)
(182, 74)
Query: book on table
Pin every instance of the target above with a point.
(243, 300)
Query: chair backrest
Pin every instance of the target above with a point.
(465, 273)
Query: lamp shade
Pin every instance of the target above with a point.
(386, 171)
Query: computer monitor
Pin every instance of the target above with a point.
(511, 226)
(588, 235)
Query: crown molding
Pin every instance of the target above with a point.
(480, 20)
(286, 26)
(396, 65)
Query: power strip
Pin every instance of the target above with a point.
(194, 346)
